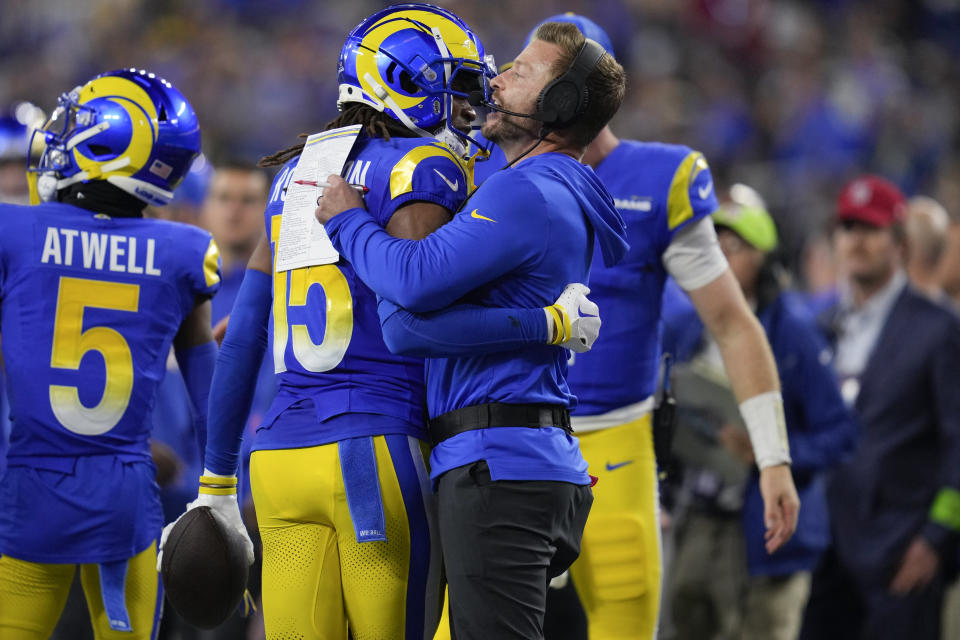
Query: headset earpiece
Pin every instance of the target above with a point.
(564, 100)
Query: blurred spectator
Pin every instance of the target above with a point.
(13, 161)
(895, 505)
(724, 584)
(17, 125)
(818, 270)
(233, 213)
(950, 266)
(926, 229)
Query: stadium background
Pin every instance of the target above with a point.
(789, 97)
(792, 98)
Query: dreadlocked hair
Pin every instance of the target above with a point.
(376, 124)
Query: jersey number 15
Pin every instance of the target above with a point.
(338, 327)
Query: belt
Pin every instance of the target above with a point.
(495, 414)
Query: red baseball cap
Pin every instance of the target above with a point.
(872, 200)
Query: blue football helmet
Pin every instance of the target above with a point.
(409, 60)
(128, 127)
(588, 28)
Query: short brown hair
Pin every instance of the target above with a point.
(606, 83)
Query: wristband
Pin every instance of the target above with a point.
(763, 415)
(214, 485)
(558, 324)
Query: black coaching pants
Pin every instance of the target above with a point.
(502, 543)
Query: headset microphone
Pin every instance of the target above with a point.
(476, 99)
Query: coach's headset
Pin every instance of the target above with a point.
(560, 104)
(565, 99)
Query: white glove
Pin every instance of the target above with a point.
(220, 494)
(566, 327)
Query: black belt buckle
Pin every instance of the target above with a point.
(545, 419)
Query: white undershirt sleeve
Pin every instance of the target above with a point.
(694, 258)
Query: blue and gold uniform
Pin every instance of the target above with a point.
(333, 328)
(90, 307)
(659, 189)
(338, 470)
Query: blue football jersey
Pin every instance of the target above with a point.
(89, 306)
(658, 189)
(328, 349)
(524, 234)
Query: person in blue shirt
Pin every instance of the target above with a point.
(768, 603)
(512, 485)
(665, 194)
(338, 469)
(93, 295)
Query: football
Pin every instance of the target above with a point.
(203, 569)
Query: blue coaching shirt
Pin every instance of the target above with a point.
(90, 307)
(525, 234)
(658, 189)
(328, 349)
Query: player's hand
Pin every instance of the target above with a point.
(224, 507)
(569, 328)
(780, 505)
(336, 199)
(917, 568)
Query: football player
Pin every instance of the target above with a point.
(338, 474)
(93, 295)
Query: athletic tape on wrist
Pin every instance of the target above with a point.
(763, 415)
(218, 481)
(217, 491)
(214, 485)
(561, 324)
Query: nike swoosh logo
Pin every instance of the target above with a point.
(611, 467)
(454, 186)
(474, 214)
(704, 191)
